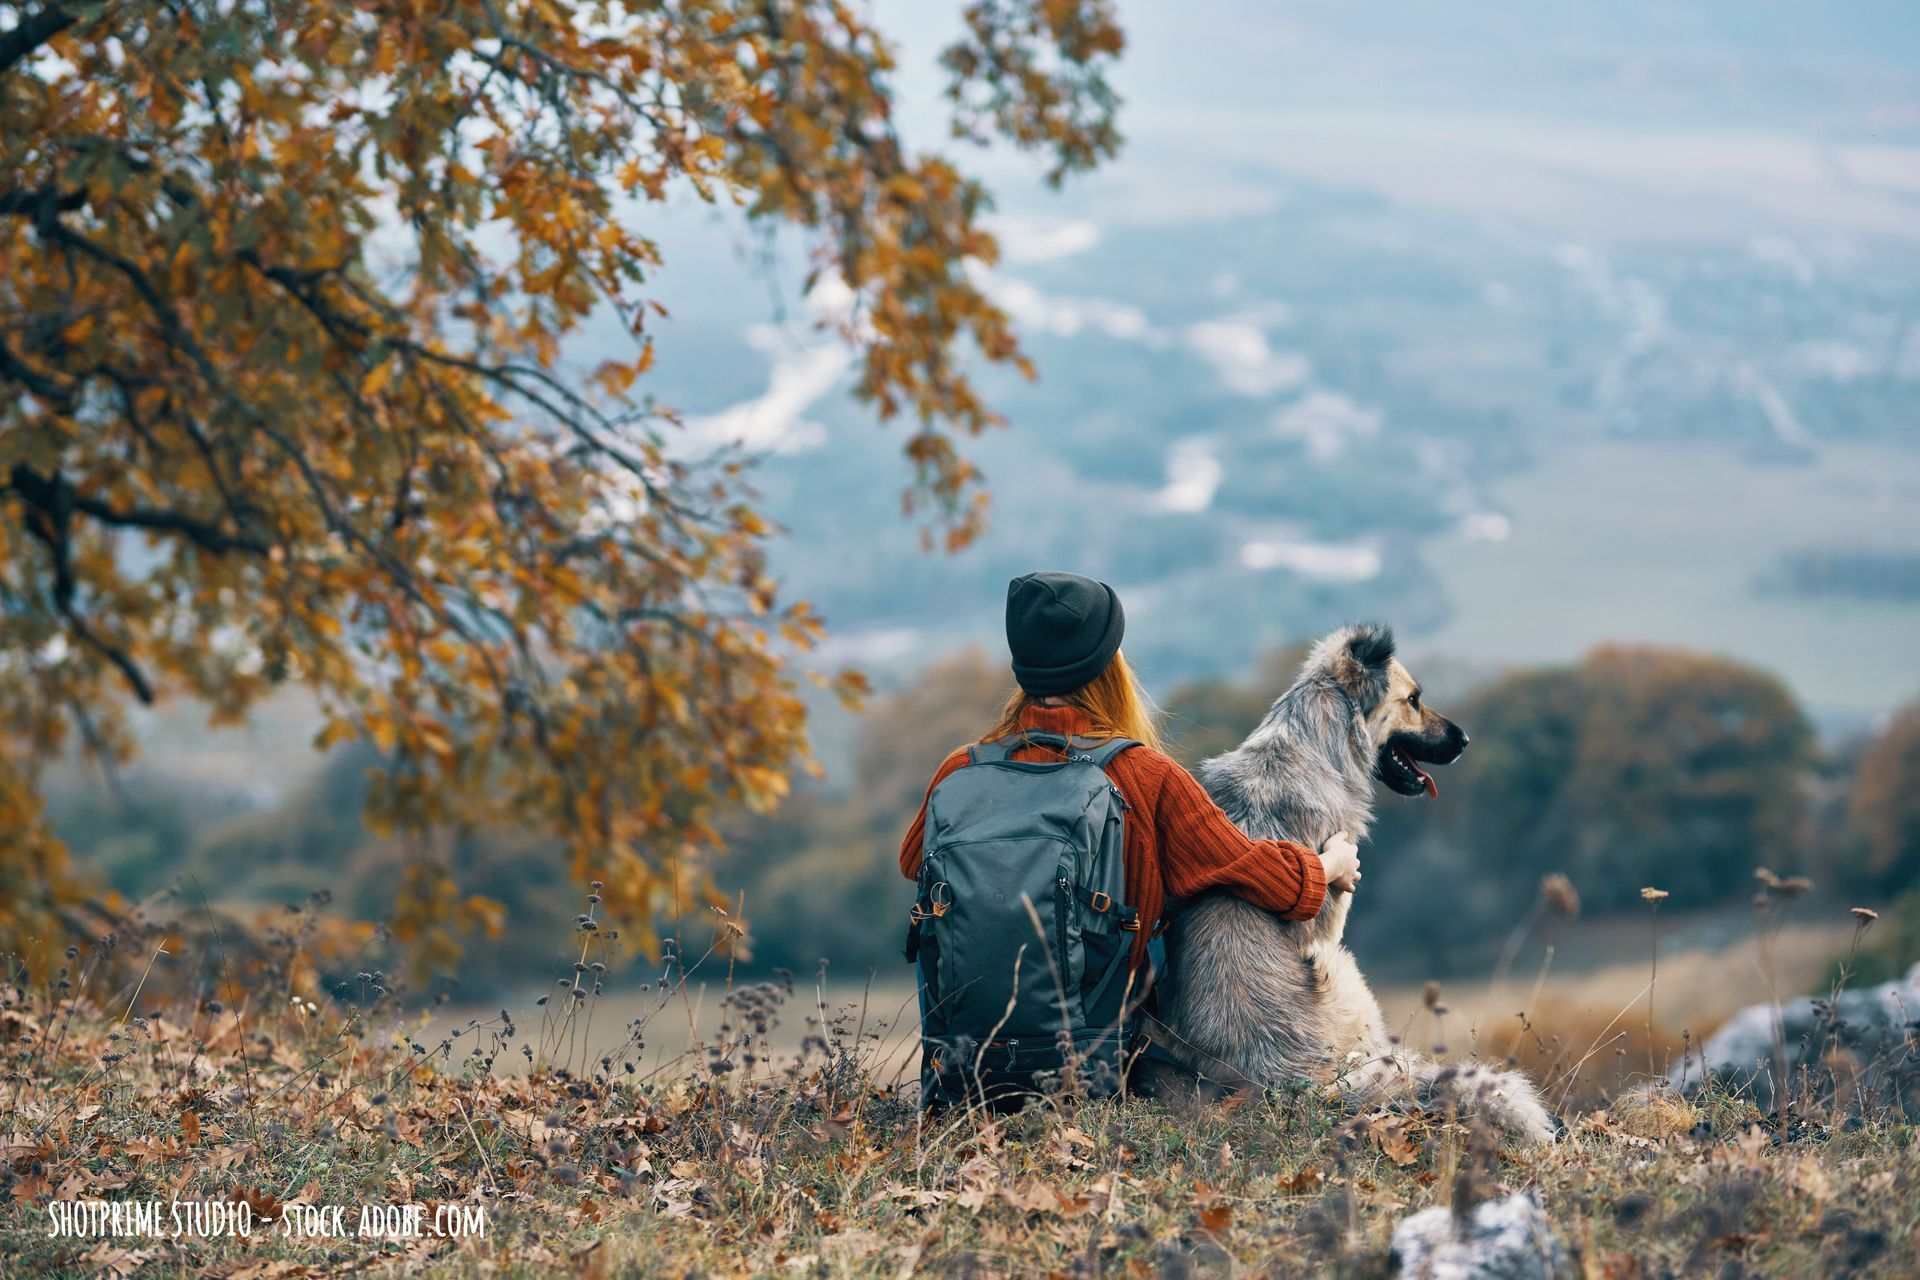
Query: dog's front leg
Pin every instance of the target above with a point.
(1325, 930)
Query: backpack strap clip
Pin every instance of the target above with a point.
(1100, 903)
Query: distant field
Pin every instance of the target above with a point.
(1599, 1014)
(882, 1019)
(1595, 993)
(1664, 542)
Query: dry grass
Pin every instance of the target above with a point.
(596, 1159)
(1586, 1037)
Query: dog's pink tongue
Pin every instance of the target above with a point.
(1433, 791)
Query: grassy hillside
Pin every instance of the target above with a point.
(733, 1158)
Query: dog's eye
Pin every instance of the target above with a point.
(1413, 699)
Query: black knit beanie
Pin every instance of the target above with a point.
(1063, 630)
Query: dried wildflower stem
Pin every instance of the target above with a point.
(478, 1146)
(1653, 979)
(1863, 919)
(1511, 951)
(1767, 906)
(1653, 898)
(1533, 1001)
(1566, 1086)
(161, 950)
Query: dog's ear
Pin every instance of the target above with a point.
(1370, 644)
(1360, 663)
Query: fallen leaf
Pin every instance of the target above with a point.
(1305, 1180)
(1033, 1197)
(262, 1203)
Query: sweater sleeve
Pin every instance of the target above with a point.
(916, 834)
(1201, 849)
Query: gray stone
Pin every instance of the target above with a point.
(1874, 1026)
(1506, 1239)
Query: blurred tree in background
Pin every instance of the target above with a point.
(1885, 813)
(1641, 765)
(283, 299)
(1886, 801)
(1638, 766)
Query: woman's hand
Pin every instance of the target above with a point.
(1340, 857)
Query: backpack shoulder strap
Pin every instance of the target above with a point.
(1099, 753)
(1003, 748)
(986, 752)
(1104, 753)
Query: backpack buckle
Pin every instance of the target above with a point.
(1101, 902)
(932, 905)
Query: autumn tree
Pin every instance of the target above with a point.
(286, 289)
(1641, 765)
(1884, 805)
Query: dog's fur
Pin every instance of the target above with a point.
(1252, 999)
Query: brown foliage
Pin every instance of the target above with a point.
(1640, 765)
(1886, 803)
(281, 335)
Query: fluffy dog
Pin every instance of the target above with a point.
(1251, 999)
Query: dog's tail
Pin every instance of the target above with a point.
(1505, 1099)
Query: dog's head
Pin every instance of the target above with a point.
(1405, 731)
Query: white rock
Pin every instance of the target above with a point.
(1507, 1239)
(1874, 1028)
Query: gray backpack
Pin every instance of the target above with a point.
(1020, 927)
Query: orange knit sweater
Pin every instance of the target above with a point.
(1178, 841)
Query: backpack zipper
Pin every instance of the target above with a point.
(1063, 902)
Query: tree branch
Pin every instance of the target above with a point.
(27, 35)
(50, 493)
(15, 201)
(17, 370)
(142, 689)
(189, 527)
(50, 505)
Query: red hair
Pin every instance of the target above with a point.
(1113, 701)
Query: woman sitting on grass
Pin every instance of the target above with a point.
(1056, 845)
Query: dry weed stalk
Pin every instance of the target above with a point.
(1653, 898)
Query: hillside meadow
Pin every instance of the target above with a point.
(597, 1135)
